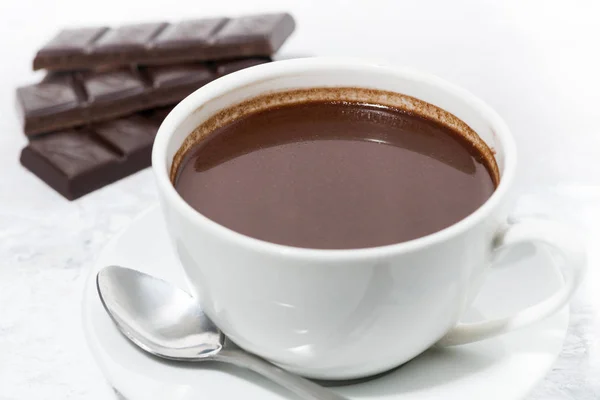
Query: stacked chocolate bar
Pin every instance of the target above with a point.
(92, 119)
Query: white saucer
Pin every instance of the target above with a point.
(504, 368)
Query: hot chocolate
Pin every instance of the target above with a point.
(334, 175)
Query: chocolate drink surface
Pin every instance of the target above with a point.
(334, 175)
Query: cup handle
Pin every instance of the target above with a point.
(537, 232)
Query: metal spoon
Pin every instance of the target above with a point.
(167, 322)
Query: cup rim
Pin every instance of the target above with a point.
(246, 76)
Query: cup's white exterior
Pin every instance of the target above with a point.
(333, 314)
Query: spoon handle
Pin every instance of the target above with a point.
(304, 388)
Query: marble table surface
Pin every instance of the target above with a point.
(535, 62)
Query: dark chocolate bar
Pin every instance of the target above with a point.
(78, 161)
(164, 43)
(69, 99)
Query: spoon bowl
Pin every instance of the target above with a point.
(167, 322)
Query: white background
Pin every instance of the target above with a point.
(536, 62)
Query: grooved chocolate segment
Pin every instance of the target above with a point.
(112, 85)
(128, 37)
(75, 41)
(186, 33)
(128, 135)
(76, 162)
(65, 100)
(50, 104)
(72, 152)
(176, 75)
(163, 43)
(54, 94)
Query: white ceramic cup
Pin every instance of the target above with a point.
(343, 314)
